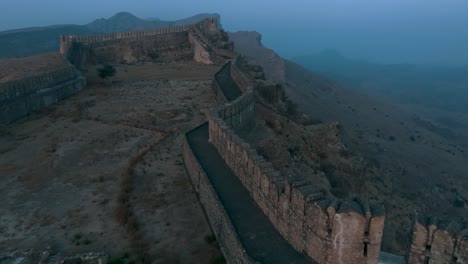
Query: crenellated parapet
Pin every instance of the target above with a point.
(20, 97)
(172, 43)
(327, 230)
(435, 241)
(21, 87)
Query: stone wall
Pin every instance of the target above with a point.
(173, 43)
(436, 242)
(20, 97)
(329, 231)
(200, 54)
(16, 88)
(221, 225)
(65, 41)
(166, 47)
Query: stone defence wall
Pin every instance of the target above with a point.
(215, 85)
(433, 242)
(17, 88)
(207, 25)
(221, 225)
(329, 231)
(222, 52)
(200, 54)
(39, 97)
(65, 41)
(173, 43)
(167, 47)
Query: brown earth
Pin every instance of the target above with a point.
(102, 171)
(21, 67)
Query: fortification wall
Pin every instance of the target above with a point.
(221, 225)
(434, 242)
(167, 47)
(65, 41)
(21, 97)
(17, 88)
(222, 52)
(173, 43)
(329, 231)
(200, 54)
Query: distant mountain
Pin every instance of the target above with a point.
(122, 22)
(35, 40)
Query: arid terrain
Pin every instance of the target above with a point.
(102, 171)
(22, 67)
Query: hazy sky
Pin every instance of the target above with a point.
(391, 31)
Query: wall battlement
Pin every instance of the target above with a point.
(166, 44)
(328, 231)
(20, 97)
(200, 29)
(21, 87)
(434, 241)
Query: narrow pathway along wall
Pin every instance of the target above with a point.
(229, 241)
(329, 231)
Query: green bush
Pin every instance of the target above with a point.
(106, 71)
(218, 260)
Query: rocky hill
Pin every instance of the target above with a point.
(17, 42)
(412, 164)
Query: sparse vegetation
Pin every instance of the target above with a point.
(78, 239)
(210, 239)
(106, 71)
(153, 55)
(218, 260)
(458, 203)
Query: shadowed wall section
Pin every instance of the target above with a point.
(166, 44)
(20, 97)
(230, 243)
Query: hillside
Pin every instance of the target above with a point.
(443, 88)
(413, 164)
(17, 42)
(438, 94)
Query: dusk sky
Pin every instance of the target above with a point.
(388, 31)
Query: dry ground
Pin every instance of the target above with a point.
(17, 68)
(102, 171)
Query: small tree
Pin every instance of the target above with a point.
(106, 71)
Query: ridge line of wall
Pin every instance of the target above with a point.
(67, 40)
(21, 87)
(304, 217)
(40, 97)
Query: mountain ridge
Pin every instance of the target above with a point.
(15, 42)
